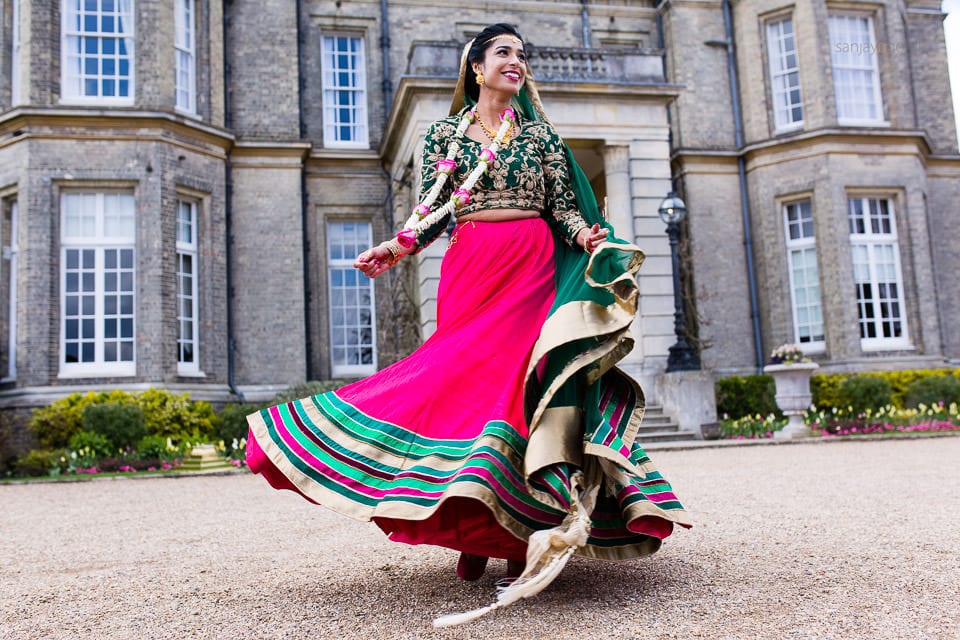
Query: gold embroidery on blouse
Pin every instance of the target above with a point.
(530, 174)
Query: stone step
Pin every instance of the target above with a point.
(666, 436)
(659, 427)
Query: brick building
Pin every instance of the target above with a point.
(185, 183)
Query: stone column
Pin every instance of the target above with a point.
(648, 173)
(616, 166)
(616, 159)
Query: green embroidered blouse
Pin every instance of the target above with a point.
(530, 173)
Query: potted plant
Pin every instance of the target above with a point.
(791, 373)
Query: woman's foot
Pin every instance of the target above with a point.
(470, 567)
(515, 568)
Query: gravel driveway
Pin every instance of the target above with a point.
(814, 540)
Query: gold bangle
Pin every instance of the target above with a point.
(396, 251)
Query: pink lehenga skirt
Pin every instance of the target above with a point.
(432, 448)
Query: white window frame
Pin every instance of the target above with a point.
(803, 246)
(15, 56)
(185, 59)
(778, 38)
(71, 39)
(340, 260)
(358, 125)
(188, 247)
(99, 242)
(10, 253)
(872, 242)
(849, 59)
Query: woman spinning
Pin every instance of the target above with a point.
(509, 433)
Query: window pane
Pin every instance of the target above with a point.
(855, 74)
(351, 298)
(344, 89)
(804, 272)
(876, 269)
(783, 64)
(98, 279)
(96, 60)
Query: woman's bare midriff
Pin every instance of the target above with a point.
(499, 215)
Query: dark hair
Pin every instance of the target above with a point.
(479, 49)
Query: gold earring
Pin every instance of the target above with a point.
(479, 77)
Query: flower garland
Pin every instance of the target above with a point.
(422, 218)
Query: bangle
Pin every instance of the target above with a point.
(396, 252)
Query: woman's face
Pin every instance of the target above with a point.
(504, 65)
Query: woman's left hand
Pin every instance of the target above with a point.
(592, 237)
(374, 261)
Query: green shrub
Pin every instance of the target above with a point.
(88, 447)
(740, 396)
(176, 416)
(8, 455)
(233, 423)
(930, 391)
(307, 389)
(41, 462)
(121, 424)
(56, 423)
(152, 447)
(826, 390)
(865, 392)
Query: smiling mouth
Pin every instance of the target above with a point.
(512, 75)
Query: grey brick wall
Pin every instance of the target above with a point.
(262, 69)
(151, 171)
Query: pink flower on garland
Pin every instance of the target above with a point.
(461, 197)
(446, 166)
(422, 211)
(487, 155)
(407, 238)
(508, 114)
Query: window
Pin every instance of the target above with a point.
(344, 92)
(856, 80)
(15, 56)
(187, 275)
(804, 275)
(97, 284)
(784, 74)
(352, 346)
(185, 70)
(8, 289)
(876, 273)
(98, 51)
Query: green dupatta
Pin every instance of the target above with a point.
(574, 395)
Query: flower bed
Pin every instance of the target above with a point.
(934, 418)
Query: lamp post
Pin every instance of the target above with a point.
(682, 356)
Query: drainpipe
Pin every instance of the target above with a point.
(228, 210)
(585, 22)
(742, 171)
(385, 51)
(304, 200)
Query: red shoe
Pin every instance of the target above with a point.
(471, 567)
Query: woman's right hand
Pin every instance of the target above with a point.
(374, 261)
